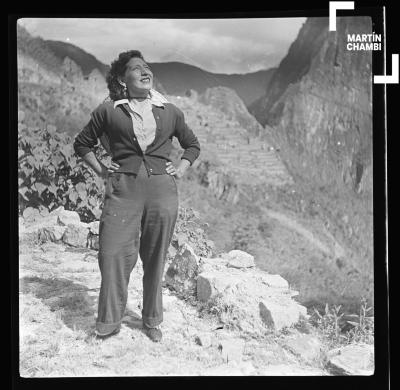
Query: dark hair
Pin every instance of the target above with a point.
(117, 70)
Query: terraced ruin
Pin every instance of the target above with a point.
(249, 159)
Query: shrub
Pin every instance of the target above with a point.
(189, 228)
(337, 329)
(362, 325)
(50, 174)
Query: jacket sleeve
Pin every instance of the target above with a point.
(186, 138)
(88, 138)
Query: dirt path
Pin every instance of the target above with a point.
(336, 250)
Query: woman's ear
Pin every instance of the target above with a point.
(122, 83)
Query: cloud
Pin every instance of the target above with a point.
(216, 45)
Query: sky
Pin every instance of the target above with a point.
(215, 45)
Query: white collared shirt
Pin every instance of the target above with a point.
(143, 122)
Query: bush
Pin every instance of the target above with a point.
(190, 229)
(50, 175)
(337, 329)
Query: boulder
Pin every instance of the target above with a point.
(94, 227)
(44, 212)
(210, 264)
(67, 217)
(275, 281)
(40, 222)
(57, 211)
(352, 360)
(31, 214)
(182, 273)
(240, 259)
(212, 284)
(76, 235)
(51, 233)
(280, 314)
(308, 347)
(245, 301)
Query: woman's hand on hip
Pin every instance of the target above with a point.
(113, 167)
(171, 170)
(105, 171)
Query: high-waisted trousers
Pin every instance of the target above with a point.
(139, 216)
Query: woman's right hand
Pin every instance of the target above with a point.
(113, 167)
(105, 171)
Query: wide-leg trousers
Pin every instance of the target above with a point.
(139, 216)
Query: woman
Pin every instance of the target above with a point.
(141, 199)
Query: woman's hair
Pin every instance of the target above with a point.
(117, 70)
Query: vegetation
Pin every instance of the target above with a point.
(50, 174)
(337, 328)
(190, 228)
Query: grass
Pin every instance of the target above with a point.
(338, 328)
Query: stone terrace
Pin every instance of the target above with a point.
(249, 159)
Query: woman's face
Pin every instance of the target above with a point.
(138, 77)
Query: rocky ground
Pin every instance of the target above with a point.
(239, 321)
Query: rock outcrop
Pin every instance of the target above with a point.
(319, 105)
(352, 360)
(245, 298)
(58, 226)
(318, 110)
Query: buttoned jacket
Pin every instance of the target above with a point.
(112, 124)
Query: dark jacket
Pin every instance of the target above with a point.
(114, 126)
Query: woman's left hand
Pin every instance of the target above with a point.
(171, 170)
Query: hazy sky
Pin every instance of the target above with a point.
(216, 45)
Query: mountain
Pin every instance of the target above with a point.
(87, 62)
(53, 90)
(319, 103)
(318, 110)
(175, 78)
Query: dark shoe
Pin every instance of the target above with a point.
(100, 336)
(154, 334)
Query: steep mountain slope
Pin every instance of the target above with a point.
(87, 62)
(319, 104)
(54, 90)
(242, 188)
(318, 110)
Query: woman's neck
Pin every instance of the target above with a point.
(139, 96)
